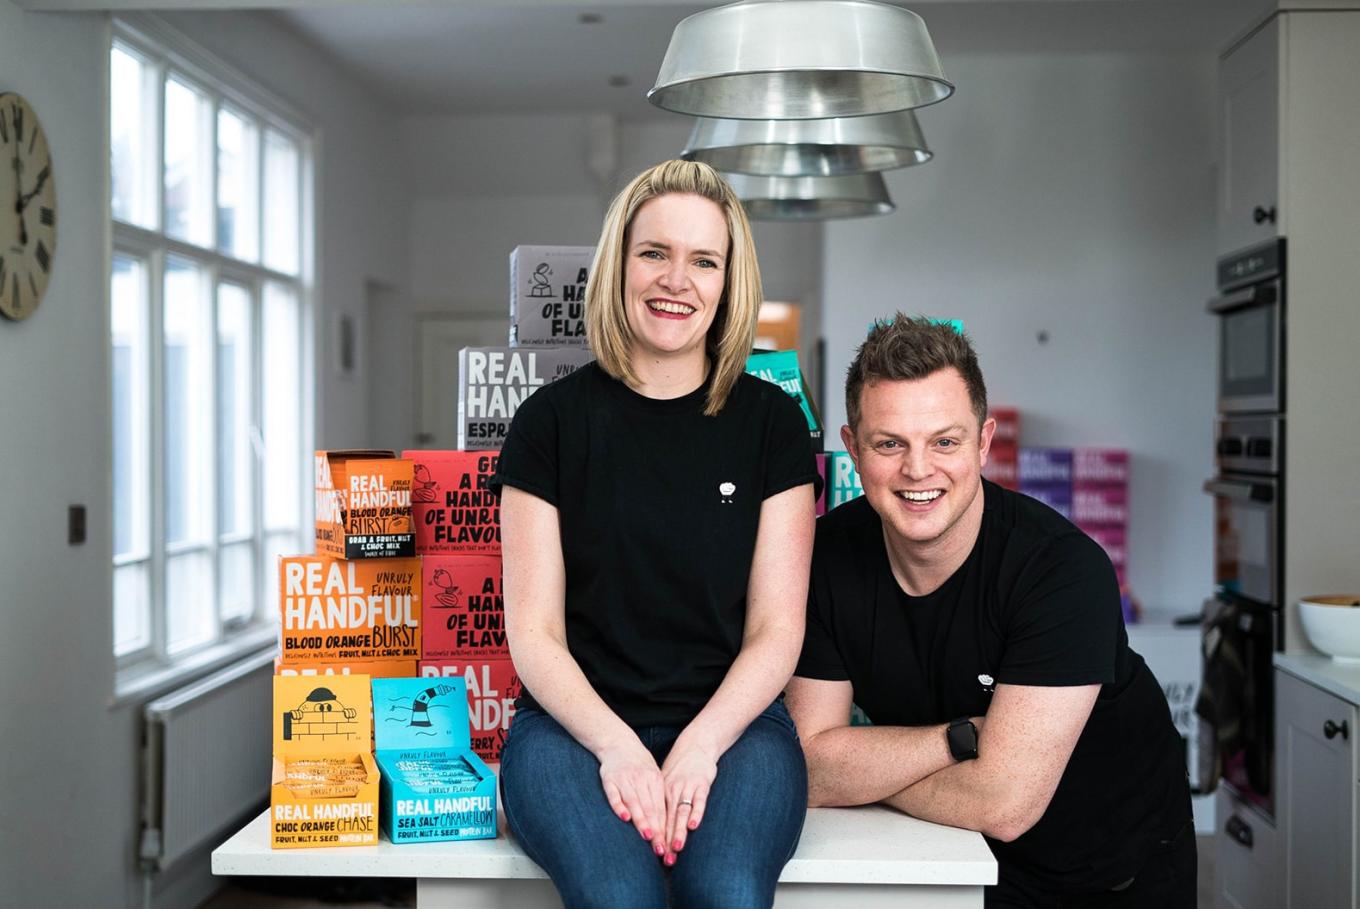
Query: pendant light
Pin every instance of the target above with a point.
(812, 198)
(795, 148)
(799, 60)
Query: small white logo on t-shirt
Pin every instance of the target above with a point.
(725, 490)
(986, 681)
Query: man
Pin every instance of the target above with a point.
(982, 634)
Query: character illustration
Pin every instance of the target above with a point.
(425, 486)
(443, 580)
(540, 285)
(320, 716)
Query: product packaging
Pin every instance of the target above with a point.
(342, 611)
(1114, 540)
(548, 295)
(434, 787)
(1100, 466)
(1057, 495)
(378, 669)
(462, 609)
(781, 368)
(494, 381)
(324, 786)
(1045, 466)
(453, 508)
(1100, 505)
(492, 687)
(821, 471)
(1003, 466)
(1007, 430)
(363, 505)
(843, 483)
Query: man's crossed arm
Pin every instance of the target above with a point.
(1024, 744)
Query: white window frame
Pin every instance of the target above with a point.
(171, 54)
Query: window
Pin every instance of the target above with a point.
(208, 315)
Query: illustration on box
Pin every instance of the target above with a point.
(492, 686)
(464, 608)
(363, 505)
(548, 295)
(452, 503)
(324, 785)
(780, 367)
(434, 786)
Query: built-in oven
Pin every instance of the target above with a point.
(1248, 513)
(1251, 328)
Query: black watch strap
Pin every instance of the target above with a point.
(963, 739)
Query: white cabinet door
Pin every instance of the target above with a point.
(1249, 125)
(1315, 743)
(1247, 858)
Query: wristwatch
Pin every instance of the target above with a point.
(962, 738)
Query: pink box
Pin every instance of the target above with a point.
(1100, 505)
(453, 509)
(492, 688)
(1007, 424)
(462, 608)
(1003, 465)
(1108, 466)
(821, 470)
(1114, 540)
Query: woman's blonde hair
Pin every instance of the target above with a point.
(734, 327)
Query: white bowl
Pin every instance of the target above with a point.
(1332, 624)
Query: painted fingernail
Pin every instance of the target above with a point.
(646, 833)
(670, 860)
(693, 824)
(624, 816)
(678, 844)
(659, 851)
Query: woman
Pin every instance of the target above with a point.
(656, 519)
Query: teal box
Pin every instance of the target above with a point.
(781, 368)
(434, 787)
(843, 481)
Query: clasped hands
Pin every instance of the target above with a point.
(665, 804)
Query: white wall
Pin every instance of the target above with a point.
(1070, 194)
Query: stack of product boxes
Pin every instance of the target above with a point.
(1046, 475)
(1003, 459)
(1100, 501)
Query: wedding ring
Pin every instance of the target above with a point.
(686, 802)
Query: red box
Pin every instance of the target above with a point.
(1003, 465)
(453, 510)
(492, 687)
(1100, 505)
(463, 609)
(1007, 425)
(1100, 466)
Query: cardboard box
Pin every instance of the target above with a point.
(1003, 465)
(434, 787)
(363, 505)
(492, 688)
(1104, 466)
(548, 295)
(1101, 504)
(462, 608)
(381, 669)
(1007, 425)
(339, 611)
(1045, 465)
(494, 381)
(453, 508)
(844, 481)
(780, 367)
(324, 785)
(821, 471)
(1057, 496)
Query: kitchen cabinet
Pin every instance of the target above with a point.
(1247, 860)
(1249, 125)
(1315, 729)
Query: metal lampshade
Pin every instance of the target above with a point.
(799, 60)
(812, 198)
(796, 148)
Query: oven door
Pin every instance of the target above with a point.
(1247, 536)
(1251, 349)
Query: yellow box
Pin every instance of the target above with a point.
(324, 787)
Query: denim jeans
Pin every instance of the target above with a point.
(554, 804)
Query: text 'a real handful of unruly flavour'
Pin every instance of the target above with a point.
(453, 506)
(336, 610)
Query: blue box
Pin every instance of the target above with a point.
(781, 368)
(1057, 496)
(434, 787)
(843, 482)
(1045, 465)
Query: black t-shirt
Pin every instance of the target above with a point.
(658, 506)
(1036, 603)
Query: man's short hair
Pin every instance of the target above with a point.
(906, 347)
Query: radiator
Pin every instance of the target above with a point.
(206, 760)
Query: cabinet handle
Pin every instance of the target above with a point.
(1261, 215)
(1239, 830)
(1330, 729)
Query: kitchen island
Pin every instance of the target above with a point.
(862, 857)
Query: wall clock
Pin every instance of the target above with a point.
(28, 209)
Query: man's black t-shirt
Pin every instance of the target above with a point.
(1036, 603)
(659, 507)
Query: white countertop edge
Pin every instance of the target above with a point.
(1340, 679)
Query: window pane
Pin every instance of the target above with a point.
(132, 138)
(131, 368)
(236, 491)
(236, 581)
(282, 199)
(131, 608)
(188, 164)
(282, 410)
(238, 189)
(277, 545)
(188, 403)
(188, 601)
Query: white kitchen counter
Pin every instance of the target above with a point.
(1341, 679)
(861, 857)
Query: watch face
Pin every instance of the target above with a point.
(28, 209)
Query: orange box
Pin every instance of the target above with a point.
(492, 688)
(378, 669)
(363, 505)
(324, 784)
(453, 510)
(462, 608)
(347, 611)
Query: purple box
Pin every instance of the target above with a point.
(1045, 465)
(1106, 466)
(1057, 496)
(1114, 540)
(1105, 505)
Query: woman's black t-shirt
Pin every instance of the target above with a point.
(658, 507)
(1036, 603)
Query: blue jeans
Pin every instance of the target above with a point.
(554, 804)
